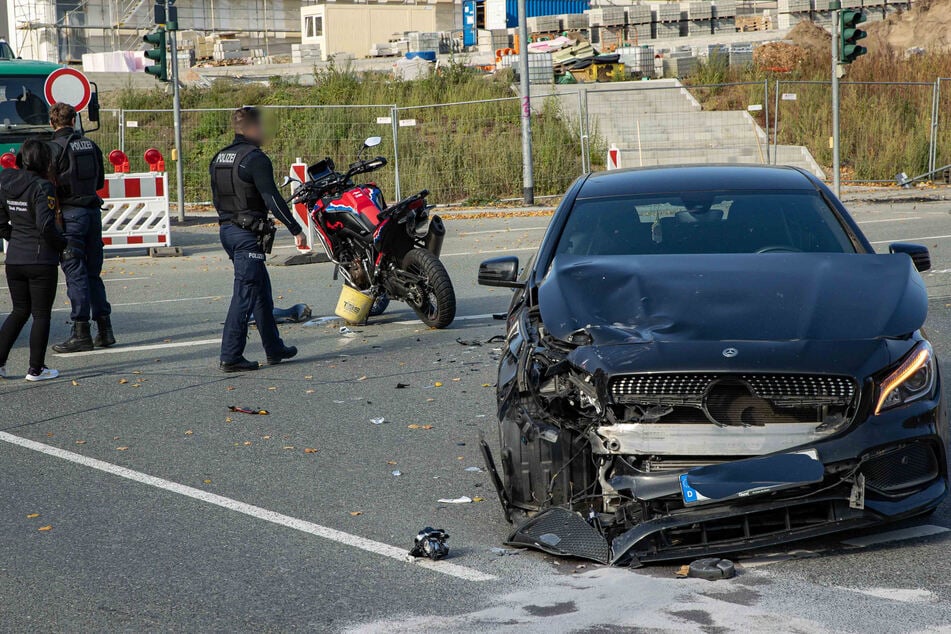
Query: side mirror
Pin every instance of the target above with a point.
(373, 141)
(92, 110)
(917, 252)
(500, 272)
(288, 180)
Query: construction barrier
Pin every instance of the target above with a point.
(299, 172)
(135, 211)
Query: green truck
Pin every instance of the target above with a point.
(23, 108)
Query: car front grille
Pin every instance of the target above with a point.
(737, 399)
(901, 468)
(781, 389)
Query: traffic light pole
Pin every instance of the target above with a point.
(836, 8)
(528, 170)
(177, 117)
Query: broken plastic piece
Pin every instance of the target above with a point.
(465, 499)
(474, 469)
(430, 542)
(378, 421)
(397, 473)
(712, 568)
(346, 332)
(247, 410)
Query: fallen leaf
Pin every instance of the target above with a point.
(427, 426)
(230, 388)
(310, 450)
(486, 385)
(49, 434)
(362, 378)
(228, 419)
(32, 516)
(80, 442)
(390, 462)
(430, 400)
(207, 481)
(123, 381)
(456, 380)
(308, 376)
(136, 371)
(122, 448)
(309, 391)
(355, 513)
(115, 438)
(265, 437)
(189, 432)
(413, 426)
(478, 499)
(136, 385)
(75, 383)
(45, 528)
(272, 389)
(437, 384)
(247, 443)
(684, 571)
(288, 446)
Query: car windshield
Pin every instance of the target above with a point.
(22, 104)
(704, 222)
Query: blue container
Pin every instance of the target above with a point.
(534, 8)
(469, 33)
(429, 56)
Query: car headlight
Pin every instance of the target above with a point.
(913, 379)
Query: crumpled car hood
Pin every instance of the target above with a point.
(734, 297)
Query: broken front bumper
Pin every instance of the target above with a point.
(887, 468)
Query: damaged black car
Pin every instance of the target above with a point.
(708, 360)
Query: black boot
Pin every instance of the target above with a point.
(104, 335)
(79, 341)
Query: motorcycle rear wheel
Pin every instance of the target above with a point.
(437, 307)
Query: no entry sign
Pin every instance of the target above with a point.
(68, 85)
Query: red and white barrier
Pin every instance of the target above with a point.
(135, 210)
(299, 172)
(614, 158)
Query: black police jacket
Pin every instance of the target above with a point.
(242, 181)
(28, 218)
(79, 169)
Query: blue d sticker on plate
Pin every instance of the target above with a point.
(690, 494)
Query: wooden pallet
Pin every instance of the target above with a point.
(746, 23)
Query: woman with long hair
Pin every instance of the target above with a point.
(28, 221)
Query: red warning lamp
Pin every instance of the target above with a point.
(155, 160)
(119, 160)
(8, 161)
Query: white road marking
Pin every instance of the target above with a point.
(459, 318)
(913, 532)
(368, 545)
(869, 222)
(156, 301)
(510, 230)
(145, 348)
(911, 239)
(496, 252)
(111, 279)
(903, 595)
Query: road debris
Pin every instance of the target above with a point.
(430, 542)
(346, 332)
(710, 568)
(474, 469)
(397, 473)
(247, 410)
(505, 552)
(464, 499)
(378, 421)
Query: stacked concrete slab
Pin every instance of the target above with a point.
(791, 12)
(666, 21)
(696, 18)
(305, 53)
(724, 16)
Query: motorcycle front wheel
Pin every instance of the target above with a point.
(436, 301)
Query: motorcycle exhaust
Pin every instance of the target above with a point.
(435, 236)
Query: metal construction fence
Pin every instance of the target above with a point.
(470, 152)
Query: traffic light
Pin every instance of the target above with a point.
(851, 34)
(157, 54)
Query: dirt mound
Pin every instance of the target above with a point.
(927, 25)
(811, 36)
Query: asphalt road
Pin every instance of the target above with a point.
(168, 512)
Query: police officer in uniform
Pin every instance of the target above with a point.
(79, 172)
(243, 190)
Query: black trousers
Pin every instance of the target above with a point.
(32, 290)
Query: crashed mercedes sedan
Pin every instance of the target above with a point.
(708, 360)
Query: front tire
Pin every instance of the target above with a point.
(436, 304)
(379, 304)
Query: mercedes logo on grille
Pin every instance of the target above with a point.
(729, 353)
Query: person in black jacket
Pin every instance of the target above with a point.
(243, 191)
(28, 210)
(79, 175)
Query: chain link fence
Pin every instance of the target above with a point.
(470, 152)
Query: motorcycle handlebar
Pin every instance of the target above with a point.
(359, 167)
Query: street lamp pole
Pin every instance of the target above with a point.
(528, 172)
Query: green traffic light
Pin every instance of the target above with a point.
(850, 34)
(157, 54)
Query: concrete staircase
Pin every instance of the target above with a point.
(661, 123)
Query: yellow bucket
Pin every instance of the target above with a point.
(353, 305)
